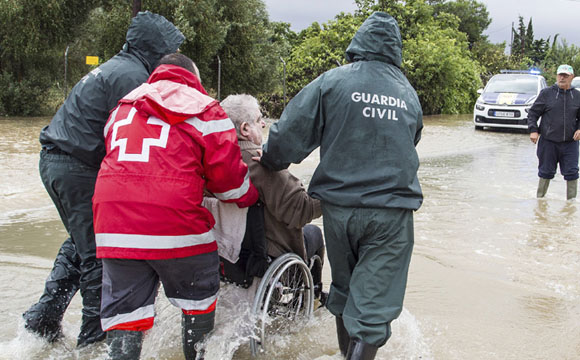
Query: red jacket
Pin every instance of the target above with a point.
(165, 142)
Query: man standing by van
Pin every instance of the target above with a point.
(559, 108)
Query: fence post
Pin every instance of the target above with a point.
(65, 70)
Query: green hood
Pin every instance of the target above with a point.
(150, 37)
(378, 39)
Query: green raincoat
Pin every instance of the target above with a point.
(367, 120)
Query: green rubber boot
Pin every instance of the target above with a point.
(571, 189)
(542, 187)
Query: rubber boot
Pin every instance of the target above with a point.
(194, 328)
(44, 318)
(124, 344)
(571, 189)
(342, 335)
(91, 285)
(359, 350)
(542, 187)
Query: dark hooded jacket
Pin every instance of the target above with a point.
(77, 127)
(366, 118)
(560, 112)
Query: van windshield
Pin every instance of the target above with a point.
(512, 83)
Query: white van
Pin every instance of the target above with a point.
(506, 99)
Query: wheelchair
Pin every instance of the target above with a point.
(286, 293)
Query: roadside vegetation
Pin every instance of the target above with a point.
(446, 56)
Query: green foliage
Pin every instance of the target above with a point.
(473, 15)
(272, 105)
(528, 51)
(558, 54)
(15, 96)
(435, 52)
(35, 33)
(408, 13)
(525, 46)
(203, 24)
(33, 36)
(445, 54)
(321, 49)
(492, 58)
(438, 65)
(249, 55)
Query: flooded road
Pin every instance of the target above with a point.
(494, 274)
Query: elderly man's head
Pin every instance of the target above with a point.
(244, 111)
(565, 74)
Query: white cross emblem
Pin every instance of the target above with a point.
(147, 142)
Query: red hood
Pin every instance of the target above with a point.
(176, 74)
(171, 94)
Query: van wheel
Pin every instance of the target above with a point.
(477, 127)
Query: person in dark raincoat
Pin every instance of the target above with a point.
(72, 150)
(558, 106)
(367, 120)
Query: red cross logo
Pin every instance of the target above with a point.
(135, 139)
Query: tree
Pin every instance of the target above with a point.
(249, 55)
(560, 53)
(538, 50)
(473, 15)
(529, 37)
(408, 13)
(321, 49)
(35, 33)
(440, 68)
(522, 38)
(33, 37)
(492, 58)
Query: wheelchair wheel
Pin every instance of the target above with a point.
(285, 296)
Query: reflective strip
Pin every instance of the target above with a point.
(111, 121)
(139, 314)
(194, 304)
(152, 241)
(210, 127)
(236, 193)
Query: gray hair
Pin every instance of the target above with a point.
(241, 108)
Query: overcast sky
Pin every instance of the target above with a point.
(549, 17)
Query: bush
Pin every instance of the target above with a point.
(440, 68)
(272, 105)
(22, 98)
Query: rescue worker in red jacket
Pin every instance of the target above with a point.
(166, 141)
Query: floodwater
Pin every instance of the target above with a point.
(494, 273)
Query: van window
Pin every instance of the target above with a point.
(522, 84)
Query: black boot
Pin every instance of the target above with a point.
(193, 330)
(359, 350)
(91, 331)
(124, 344)
(44, 317)
(343, 336)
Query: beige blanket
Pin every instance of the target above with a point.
(230, 227)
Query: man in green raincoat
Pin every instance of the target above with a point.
(367, 120)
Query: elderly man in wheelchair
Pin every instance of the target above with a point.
(279, 245)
